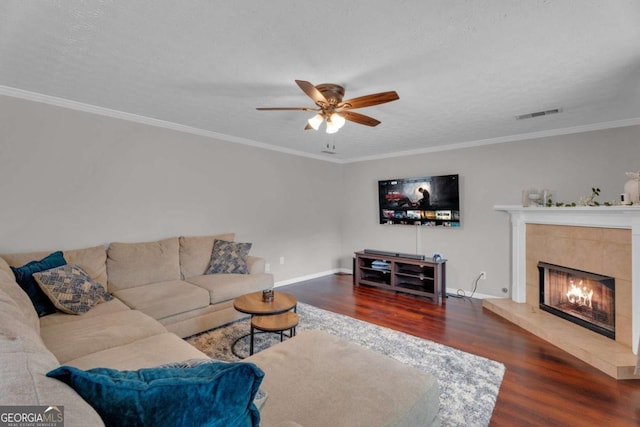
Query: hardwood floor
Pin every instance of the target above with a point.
(542, 386)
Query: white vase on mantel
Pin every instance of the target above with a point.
(632, 187)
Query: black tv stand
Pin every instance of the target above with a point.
(424, 277)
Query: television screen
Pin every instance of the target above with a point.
(429, 200)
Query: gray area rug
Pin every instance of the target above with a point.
(469, 384)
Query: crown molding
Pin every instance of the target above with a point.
(101, 111)
(504, 139)
(92, 109)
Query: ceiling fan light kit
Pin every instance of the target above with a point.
(335, 123)
(316, 121)
(330, 107)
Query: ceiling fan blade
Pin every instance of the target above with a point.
(308, 127)
(359, 118)
(312, 92)
(287, 108)
(369, 100)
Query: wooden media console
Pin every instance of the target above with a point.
(424, 277)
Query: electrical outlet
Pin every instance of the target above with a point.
(281, 260)
(267, 267)
(483, 275)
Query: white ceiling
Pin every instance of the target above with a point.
(463, 69)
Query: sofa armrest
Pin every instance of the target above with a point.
(255, 265)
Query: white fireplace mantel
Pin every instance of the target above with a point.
(580, 216)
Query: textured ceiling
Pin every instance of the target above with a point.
(463, 69)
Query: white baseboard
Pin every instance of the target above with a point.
(468, 294)
(348, 271)
(309, 277)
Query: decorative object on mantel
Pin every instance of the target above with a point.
(590, 200)
(535, 197)
(543, 197)
(631, 189)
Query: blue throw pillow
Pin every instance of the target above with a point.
(258, 400)
(210, 394)
(24, 277)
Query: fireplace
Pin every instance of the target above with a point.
(584, 298)
(602, 239)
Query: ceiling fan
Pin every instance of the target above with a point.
(331, 107)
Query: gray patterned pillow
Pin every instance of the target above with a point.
(229, 257)
(70, 289)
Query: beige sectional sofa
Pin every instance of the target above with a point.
(164, 279)
(162, 294)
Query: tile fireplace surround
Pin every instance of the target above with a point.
(604, 240)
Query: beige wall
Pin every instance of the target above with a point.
(489, 175)
(70, 179)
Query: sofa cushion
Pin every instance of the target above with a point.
(15, 295)
(229, 257)
(24, 362)
(22, 258)
(14, 324)
(195, 253)
(23, 369)
(164, 299)
(225, 287)
(4, 268)
(113, 306)
(70, 340)
(71, 289)
(24, 277)
(144, 353)
(356, 386)
(255, 265)
(212, 394)
(136, 264)
(92, 260)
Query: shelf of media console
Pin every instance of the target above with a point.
(415, 275)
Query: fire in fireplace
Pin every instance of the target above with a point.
(584, 298)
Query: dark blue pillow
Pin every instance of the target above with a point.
(211, 394)
(24, 277)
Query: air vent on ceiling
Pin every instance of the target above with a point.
(538, 114)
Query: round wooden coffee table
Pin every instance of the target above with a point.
(252, 304)
(272, 316)
(277, 323)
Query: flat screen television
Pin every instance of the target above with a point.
(428, 200)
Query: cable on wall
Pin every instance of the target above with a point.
(460, 293)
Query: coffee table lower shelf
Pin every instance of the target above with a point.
(275, 323)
